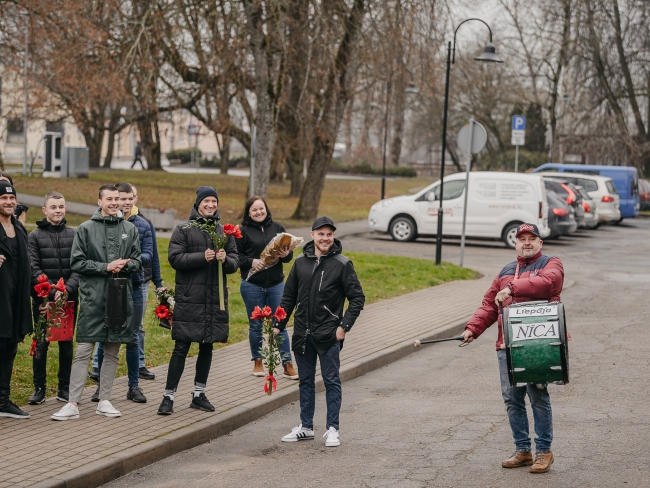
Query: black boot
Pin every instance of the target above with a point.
(64, 393)
(38, 396)
(95, 397)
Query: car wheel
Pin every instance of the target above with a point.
(403, 229)
(509, 235)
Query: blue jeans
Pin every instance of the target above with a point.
(540, 401)
(329, 367)
(254, 295)
(132, 349)
(145, 299)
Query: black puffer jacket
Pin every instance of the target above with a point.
(197, 317)
(316, 289)
(255, 237)
(49, 253)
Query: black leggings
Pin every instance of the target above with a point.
(177, 364)
(8, 352)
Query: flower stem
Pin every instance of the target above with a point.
(222, 305)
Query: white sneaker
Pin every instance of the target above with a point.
(69, 411)
(332, 438)
(299, 434)
(105, 408)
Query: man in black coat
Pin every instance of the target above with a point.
(16, 321)
(49, 253)
(197, 314)
(318, 284)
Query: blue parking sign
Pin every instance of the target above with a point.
(518, 122)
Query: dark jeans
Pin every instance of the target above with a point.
(329, 367)
(515, 399)
(40, 362)
(133, 347)
(177, 364)
(256, 295)
(7, 355)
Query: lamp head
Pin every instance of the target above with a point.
(489, 55)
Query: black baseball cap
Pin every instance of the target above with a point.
(322, 222)
(532, 228)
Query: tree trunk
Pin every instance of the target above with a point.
(150, 141)
(337, 93)
(398, 117)
(94, 140)
(295, 165)
(224, 154)
(109, 149)
(277, 164)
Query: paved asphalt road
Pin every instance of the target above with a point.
(436, 418)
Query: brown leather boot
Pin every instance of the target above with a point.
(290, 372)
(258, 369)
(518, 459)
(543, 461)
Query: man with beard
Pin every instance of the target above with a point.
(16, 320)
(318, 284)
(533, 276)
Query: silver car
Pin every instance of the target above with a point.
(591, 210)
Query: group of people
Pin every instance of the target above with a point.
(116, 250)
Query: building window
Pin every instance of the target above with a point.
(15, 133)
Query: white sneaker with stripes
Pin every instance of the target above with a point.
(299, 434)
(332, 438)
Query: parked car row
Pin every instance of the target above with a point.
(558, 203)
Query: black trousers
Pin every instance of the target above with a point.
(177, 364)
(8, 352)
(40, 362)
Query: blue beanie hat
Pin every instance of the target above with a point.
(204, 192)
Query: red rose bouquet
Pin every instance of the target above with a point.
(270, 352)
(219, 241)
(56, 310)
(165, 310)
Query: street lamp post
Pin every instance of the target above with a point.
(488, 56)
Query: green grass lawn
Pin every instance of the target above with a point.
(381, 276)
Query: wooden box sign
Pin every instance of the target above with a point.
(63, 330)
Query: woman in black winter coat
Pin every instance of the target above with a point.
(265, 287)
(197, 315)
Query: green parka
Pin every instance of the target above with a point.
(97, 242)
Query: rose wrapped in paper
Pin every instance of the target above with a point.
(50, 313)
(270, 254)
(271, 351)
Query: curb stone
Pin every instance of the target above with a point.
(115, 466)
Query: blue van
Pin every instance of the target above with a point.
(625, 178)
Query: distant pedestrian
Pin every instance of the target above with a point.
(265, 287)
(15, 309)
(319, 282)
(137, 156)
(50, 247)
(105, 248)
(197, 314)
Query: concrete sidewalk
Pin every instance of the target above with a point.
(94, 450)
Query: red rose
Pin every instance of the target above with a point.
(32, 348)
(280, 314)
(42, 279)
(267, 312)
(162, 312)
(232, 230)
(257, 313)
(60, 286)
(43, 289)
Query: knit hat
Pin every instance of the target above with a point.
(204, 192)
(6, 188)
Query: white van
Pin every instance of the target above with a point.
(497, 204)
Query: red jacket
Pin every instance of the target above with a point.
(540, 278)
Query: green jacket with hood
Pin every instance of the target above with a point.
(97, 242)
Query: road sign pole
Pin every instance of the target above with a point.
(467, 168)
(517, 158)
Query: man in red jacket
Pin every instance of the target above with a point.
(533, 276)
